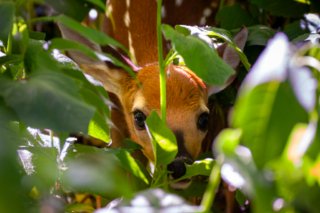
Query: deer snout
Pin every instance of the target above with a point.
(178, 167)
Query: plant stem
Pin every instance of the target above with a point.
(161, 64)
(209, 195)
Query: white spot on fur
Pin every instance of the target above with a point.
(178, 3)
(163, 11)
(203, 20)
(126, 18)
(131, 48)
(128, 3)
(207, 12)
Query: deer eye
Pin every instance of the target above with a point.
(203, 121)
(139, 119)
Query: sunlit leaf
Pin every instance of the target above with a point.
(200, 167)
(206, 63)
(163, 140)
(132, 165)
(98, 128)
(266, 104)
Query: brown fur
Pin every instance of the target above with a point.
(186, 100)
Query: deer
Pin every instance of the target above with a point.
(133, 24)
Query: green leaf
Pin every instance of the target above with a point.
(79, 207)
(96, 171)
(163, 140)
(285, 8)
(238, 169)
(7, 10)
(20, 36)
(199, 167)
(44, 160)
(91, 34)
(98, 128)
(132, 165)
(216, 35)
(239, 17)
(266, 114)
(199, 57)
(63, 44)
(100, 4)
(10, 59)
(73, 8)
(230, 138)
(48, 100)
(259, 35)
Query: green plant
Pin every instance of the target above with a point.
(271, 145)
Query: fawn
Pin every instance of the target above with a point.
(134, 25)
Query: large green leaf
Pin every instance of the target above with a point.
(48, 100)
(73, 8)
(199, 57)
(259, 35)
(286, 8)
(199, 167)
(267, 108)
(163, 140)
(239, 17)
(89, 33)
(239, 170)
(7, 11)
(267, 115)
(11, 177)
(132, 165)
(96, 171)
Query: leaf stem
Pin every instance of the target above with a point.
(161, 64)
(209, 195)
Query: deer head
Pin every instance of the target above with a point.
(134, 24)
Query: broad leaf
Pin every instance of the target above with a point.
(286, 8)
(267, 109)
(259, 35)
(200, 167)
(239, 17)
(132, 165)
(97, 171)
(7, 11)
(73, 8)
(199, 57)
(238, 169)
(48, 100)
(163, 140)
(91, 34)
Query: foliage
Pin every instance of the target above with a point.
(269, 153)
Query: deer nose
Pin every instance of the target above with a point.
(177, 168)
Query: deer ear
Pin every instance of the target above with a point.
(109, 77)
(231, 57)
